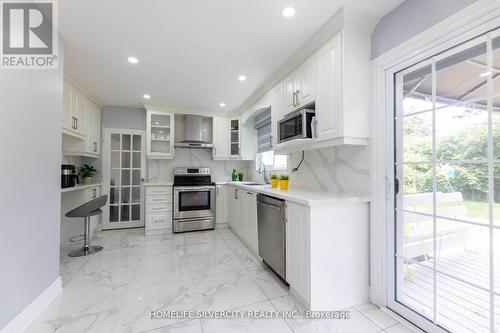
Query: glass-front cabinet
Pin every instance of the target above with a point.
(160, 134)
(235, 138)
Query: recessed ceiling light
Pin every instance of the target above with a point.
(288, 11)
(133, 60)
(146, 96)
(242, 78)
(222, 105)
(485, 74)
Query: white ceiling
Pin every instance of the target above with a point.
(190, 51)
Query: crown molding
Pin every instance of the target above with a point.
(71, 79)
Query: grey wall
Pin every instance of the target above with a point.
(30, 141)
(409, 19)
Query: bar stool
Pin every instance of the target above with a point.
(88, 209)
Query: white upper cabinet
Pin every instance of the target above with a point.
(81, 123)
(221, 128)
(300, 87)
(329, 101)
(276, 113)
(305, 83)
(234, 138)
(335, 80)
(159, 134)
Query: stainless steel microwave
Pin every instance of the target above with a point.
(297, 125)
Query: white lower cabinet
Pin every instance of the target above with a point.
(158, 209)
(297, 250)
(221, 209)
(242, 216)
(327, 254)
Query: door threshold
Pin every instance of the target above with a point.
(402, 320)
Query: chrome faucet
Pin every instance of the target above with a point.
(262, 168)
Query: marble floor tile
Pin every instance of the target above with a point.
(190, 326)
(166, 296)
(399, 328)
(246, 324)
(267, 280)
(356, 323)
(382, 319)
(115, 290)
(79, 314)
(228, 290)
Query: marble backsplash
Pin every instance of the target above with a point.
(341, 169)
(160, 171)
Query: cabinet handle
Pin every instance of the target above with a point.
(297, 96)
(76, 123)
(236, 194)
(95, 147)
(73, 125)
(251, 193)
(215, 151)
(294, 105)
(313, 127)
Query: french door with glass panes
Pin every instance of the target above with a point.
(444, 252)
(123, 175)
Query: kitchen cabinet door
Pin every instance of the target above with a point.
(159, 135)
(289, 94)
(298, 249)
(250, 230)
(241, 219)
(221, 139)
(234, 138)
(221, 204)
(276, 113)
(67, 122)
(79, 110)
(232, 208)
(305, 83)
(328, 123)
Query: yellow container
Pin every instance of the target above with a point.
(274, 183)
(283, 185)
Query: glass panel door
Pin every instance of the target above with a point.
(123, 165)
(447, 173)
(160, 133)
(235, 137)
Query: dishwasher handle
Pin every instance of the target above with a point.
(269, 205)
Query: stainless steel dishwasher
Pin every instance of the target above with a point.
(271, 230)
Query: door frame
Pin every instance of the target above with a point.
(474, 20)
(106, 148)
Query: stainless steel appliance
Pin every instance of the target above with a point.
(197, 128)
(297, 125)
(271, 224)
(194, 199)
(69, 178)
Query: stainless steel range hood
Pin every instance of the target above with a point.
(196, 134)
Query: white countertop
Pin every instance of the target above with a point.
(79, 187)
(306, 197)
(158, 184)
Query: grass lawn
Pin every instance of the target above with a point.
(480, 210)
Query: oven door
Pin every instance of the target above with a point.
(194, 202)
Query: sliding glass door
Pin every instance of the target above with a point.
(446, 258)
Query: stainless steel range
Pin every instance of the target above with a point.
(194, 200)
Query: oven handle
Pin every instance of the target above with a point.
(194, 188)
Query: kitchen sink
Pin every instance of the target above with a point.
(255, 184)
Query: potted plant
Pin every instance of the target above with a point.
(240, 176)
(284, 182)
(87, 172)
(274, 180)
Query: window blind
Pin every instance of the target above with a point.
(263, 127)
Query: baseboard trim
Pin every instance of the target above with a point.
(22, 321)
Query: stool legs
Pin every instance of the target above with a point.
(87, 248)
